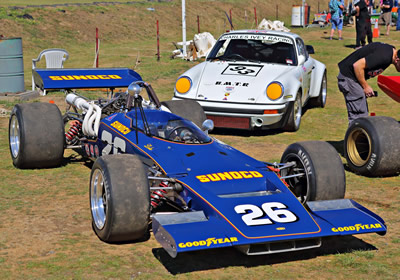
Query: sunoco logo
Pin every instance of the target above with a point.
(208, 242)
(357, 227)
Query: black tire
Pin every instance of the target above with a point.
(320, 101)
(119, 196)
(295, 112)
(36, 135)
(324, 177)
(372, 146)
(187, 109)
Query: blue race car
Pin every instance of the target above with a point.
(155, 169)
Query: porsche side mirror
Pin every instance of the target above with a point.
(310, 49)
(207, 126)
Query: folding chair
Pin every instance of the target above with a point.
(54, 59)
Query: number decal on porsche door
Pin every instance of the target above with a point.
(269, 213)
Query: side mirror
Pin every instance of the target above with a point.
(207, 126)
(310, 49)
(134, 89)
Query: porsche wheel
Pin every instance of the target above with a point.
(372, 146)
(295, 112)
(187, 109)
(36, 135)
(319, 168)
(119, 198)
(320, 101)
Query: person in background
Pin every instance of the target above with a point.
(361, 19)
(357, 68)
(368, 30)
(386, 9)
(336, 9)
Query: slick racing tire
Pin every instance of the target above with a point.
(295, 112)
(119, 198)
(187, 109)
(320, 101)
(372, 146)
(36, 135)
(323, 173)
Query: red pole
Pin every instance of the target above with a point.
(276, 11)
(158, 43)
(230, 16)
(198, 24)
(97, 47)
(255, 15)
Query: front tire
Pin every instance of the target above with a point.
(36, 135)
(324, 177)
(372, 146)
(119, 198)
(294, 118)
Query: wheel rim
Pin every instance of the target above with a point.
(324, 90)
(299, 186)
(297, 112)
(98, 199)
(359, 147)
(14, 136)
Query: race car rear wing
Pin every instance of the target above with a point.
(84, 78)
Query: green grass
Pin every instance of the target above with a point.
(45, 222)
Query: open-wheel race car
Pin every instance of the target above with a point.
(372, 144)
(155, 170)
(256, 79)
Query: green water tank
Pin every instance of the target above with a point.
(11, 65)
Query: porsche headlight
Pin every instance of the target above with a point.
(274, 90)
(183, 85)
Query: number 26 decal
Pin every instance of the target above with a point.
(275, 211)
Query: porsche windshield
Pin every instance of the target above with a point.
(259, 48)
(170, 127)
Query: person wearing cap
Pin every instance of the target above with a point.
(361, 65)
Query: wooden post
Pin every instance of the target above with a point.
(198, 24)
(276, 11)
(255, 16)
(97, 48)
(158, 43)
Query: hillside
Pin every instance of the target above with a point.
(127, 30)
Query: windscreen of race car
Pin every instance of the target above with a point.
(170, 127)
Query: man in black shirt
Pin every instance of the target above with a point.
(362, 18)
(359, 66)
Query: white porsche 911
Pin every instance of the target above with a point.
(256, 79)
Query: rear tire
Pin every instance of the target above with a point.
(372, 146)
(119, 198)
(320, 101)
(36, 135)
(324, 177)
(187, 109)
